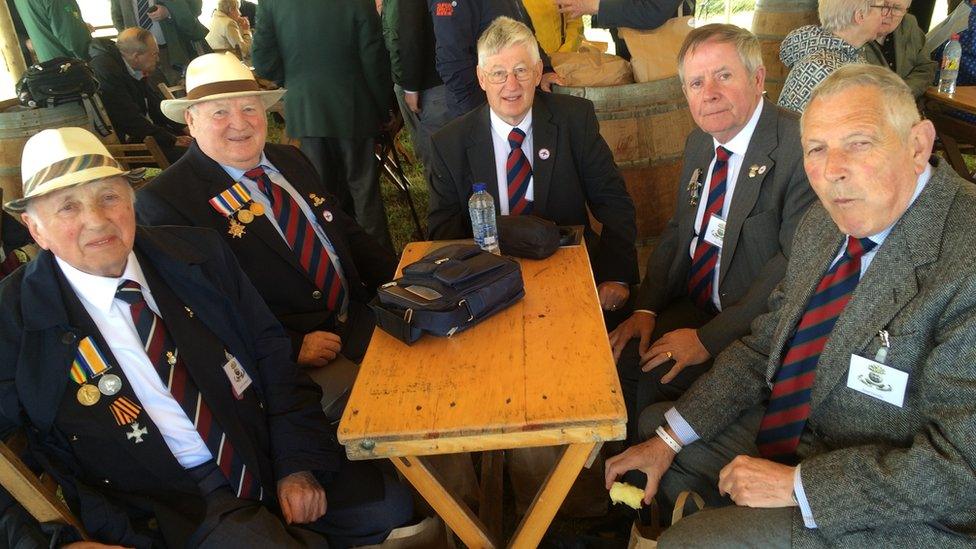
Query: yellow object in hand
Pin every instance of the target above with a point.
(627, 494)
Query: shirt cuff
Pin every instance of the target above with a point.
(801, 500)
(682, 431)
(410, 92)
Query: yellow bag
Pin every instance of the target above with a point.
(592, 69)
(654, 53)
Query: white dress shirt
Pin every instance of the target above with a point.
(114, 321)
(499, 138)
(738, 146)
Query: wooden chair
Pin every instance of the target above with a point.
(140, 155)
(37, 495)
(955, 135)
(172, 92)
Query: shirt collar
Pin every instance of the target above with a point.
(920, 182)
(236, 173)
(503, 128)
(99, 291)
(740, 143)
(132, 72)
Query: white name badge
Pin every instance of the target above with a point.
(877, 380)
(715, 232)
(239, 380)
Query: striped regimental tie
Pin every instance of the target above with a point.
(789, 402)
(142, 8)
(702, 273)
(163, 354)
(519, 173)
(301, 238)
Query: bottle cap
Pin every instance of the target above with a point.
(479, 187)
(955, 36)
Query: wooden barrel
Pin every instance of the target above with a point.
(645, 125)
(773, 20)
(17, 125)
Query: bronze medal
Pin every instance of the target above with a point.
(256, 209)
(88, 394)
(245, 216)
(235, 229)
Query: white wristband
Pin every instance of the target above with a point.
(668, 439)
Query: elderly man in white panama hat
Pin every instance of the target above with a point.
(155, 385)
(314, 265)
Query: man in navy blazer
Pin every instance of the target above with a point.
(154, 384)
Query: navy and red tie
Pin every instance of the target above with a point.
(301, 238)
(163, 354)
(702, 273)
(519, 173)
(789, 402)
(142, 14)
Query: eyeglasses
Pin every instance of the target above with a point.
(500, 76)
(888, 9)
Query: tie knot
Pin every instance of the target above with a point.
(515, 137)
(722, 154)
(856, 247)
(129, 291)
(259, 176)
(254, 173)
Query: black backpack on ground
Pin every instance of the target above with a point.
(447, 291)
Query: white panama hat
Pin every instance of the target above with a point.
(55, 159)
(215, 76)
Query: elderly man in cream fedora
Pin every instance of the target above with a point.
(314, 265)
(154, 384)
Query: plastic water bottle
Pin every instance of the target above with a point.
(481, 206)
(950, 66)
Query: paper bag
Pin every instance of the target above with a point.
(592, 69)
(654, 53)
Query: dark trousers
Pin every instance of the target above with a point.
(350, 171)
(641, 389)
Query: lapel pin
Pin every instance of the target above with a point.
(189, 312)
(170, 358)
(544, 154)
(752, 170)
(762, 169)
(137, 432)
(327, 216)
(316, 200)
(694, 184)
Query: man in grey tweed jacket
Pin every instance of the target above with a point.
(887, 437)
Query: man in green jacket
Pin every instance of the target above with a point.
(173, 24)
(330, 55)
(55, 27)
(900, 49)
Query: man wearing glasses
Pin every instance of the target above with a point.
(813, 52)
(899, 47)
(540, 154)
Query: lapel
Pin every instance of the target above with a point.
(544, 136)
(481, 155)
(890, 282)
(699, 159)
(217, 181)
(763, 142)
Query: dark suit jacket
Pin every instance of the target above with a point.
(180, 195)
(875, 475)
(129, 101)
(579, 174)
(409, 36)
(129, 493)
(911, 64)
(330, 55)
(181, 30)
(763, 215)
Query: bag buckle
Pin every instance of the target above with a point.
(408, 316)
(470, 314)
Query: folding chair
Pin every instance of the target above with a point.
(392, 168)
(140, 155)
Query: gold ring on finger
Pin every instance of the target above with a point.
(670, 355)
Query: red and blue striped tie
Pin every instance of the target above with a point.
(519, 173)
(301, 238)
(702, 273)
(789, 402)
(164, 356)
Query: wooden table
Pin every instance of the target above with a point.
(955, 134)
(539, 373)
(964, 99)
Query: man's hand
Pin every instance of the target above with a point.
(757, 482)
(183, 141)
(613, 295)
(640, 324)
(652, 457)
(577, 8)
(243, 24)
(412, 99)
(159, 14)
(302, 498)
(550, 78)
(319, 349)
(682, 346)
(90, 545)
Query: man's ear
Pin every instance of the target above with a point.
(34, 230)
(921, 139)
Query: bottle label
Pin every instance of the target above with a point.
(950, 63)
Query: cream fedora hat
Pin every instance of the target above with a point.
(216, 76)
(65, 157)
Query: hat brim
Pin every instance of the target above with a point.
(174, 108)
(72, 180)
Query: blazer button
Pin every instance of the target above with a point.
(68, 338)
(106, 481)
(74, 438)
(316, 294)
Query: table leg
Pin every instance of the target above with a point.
(551, 495)
(455, 513)
(490, 509)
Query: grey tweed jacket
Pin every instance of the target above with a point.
(876, 474)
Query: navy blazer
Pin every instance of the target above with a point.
(180, 195)
(137, 494)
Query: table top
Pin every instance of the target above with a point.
(539, 373)
(964, 99)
